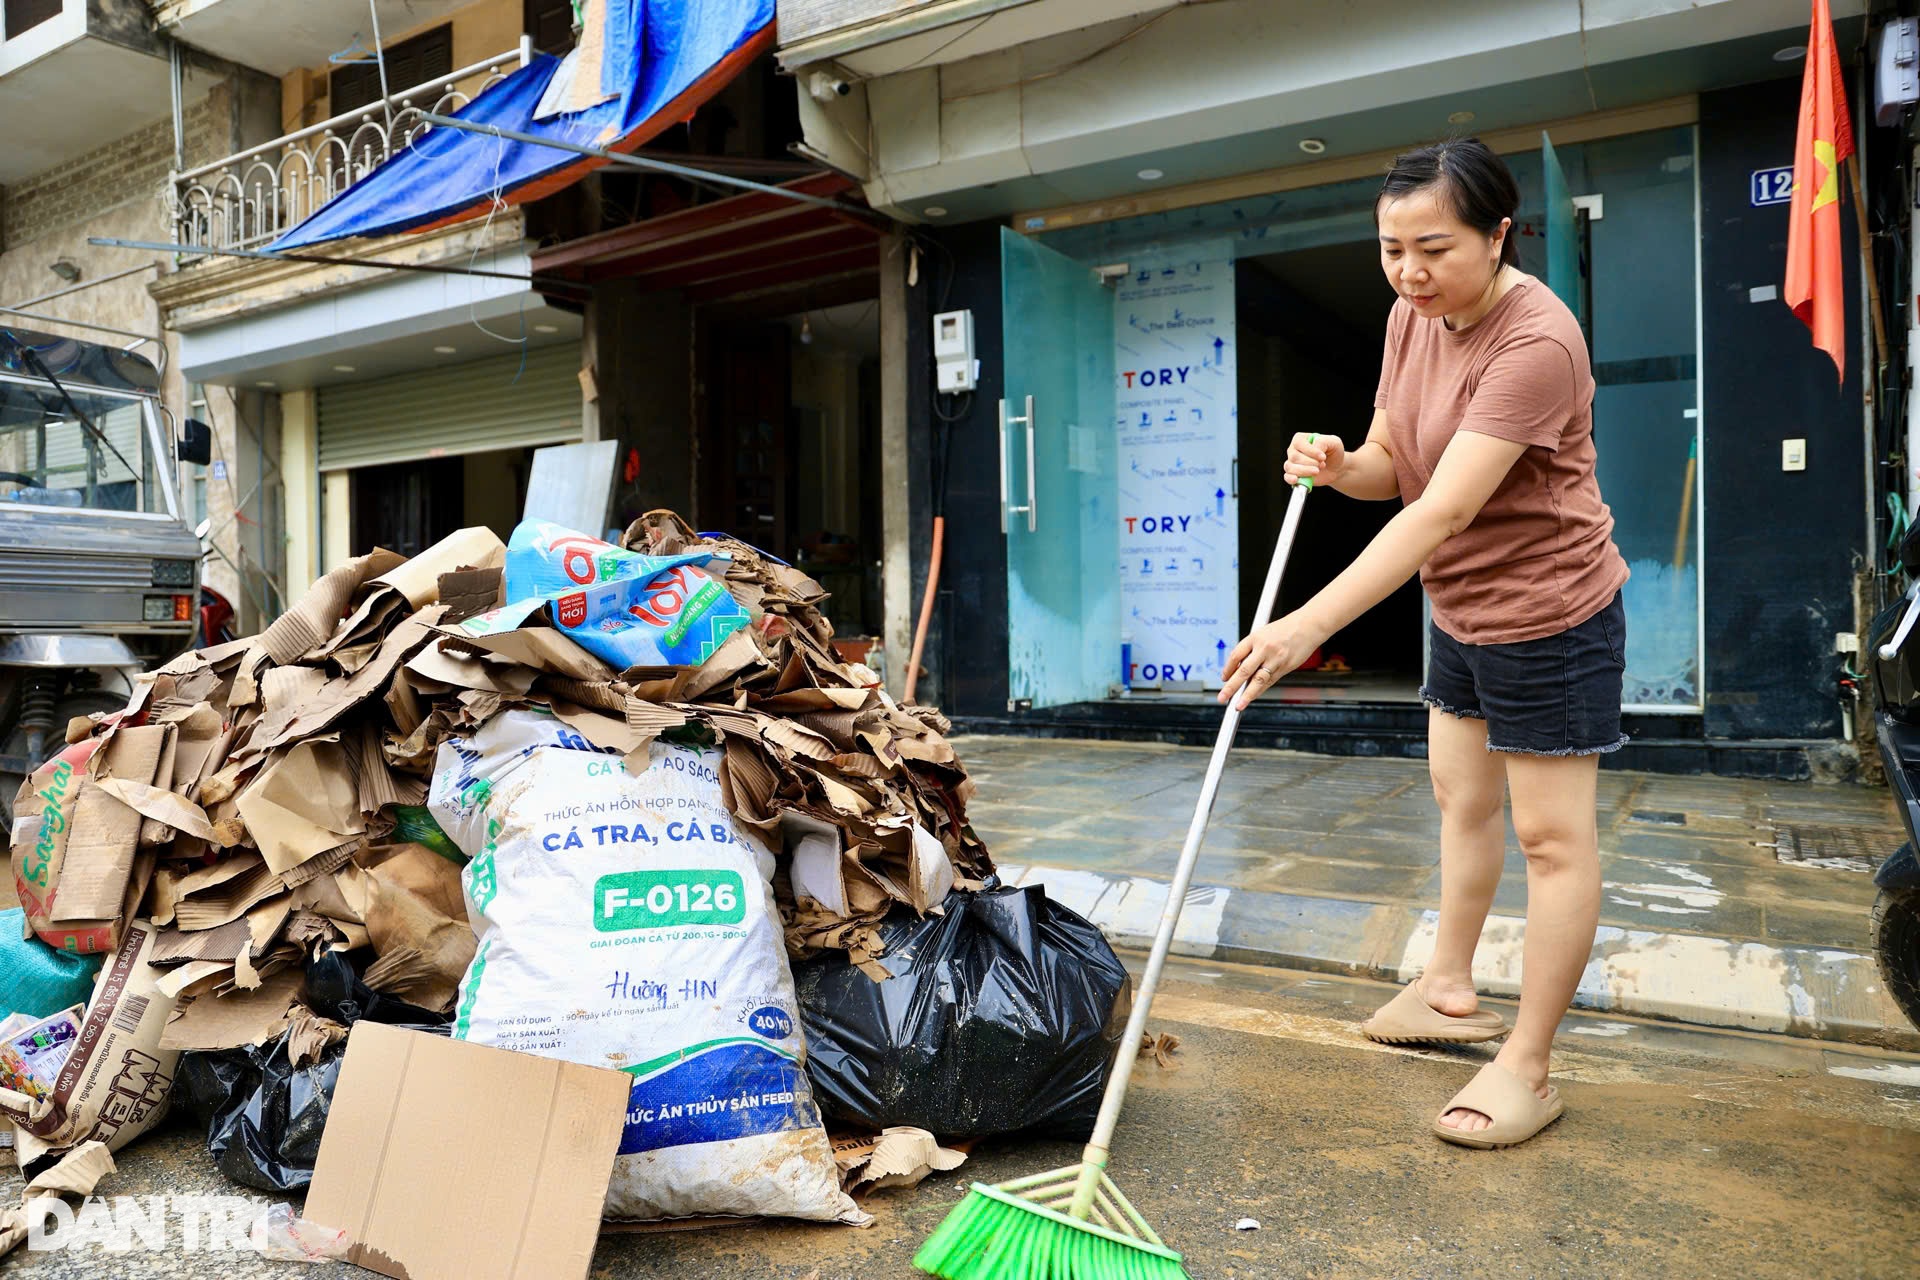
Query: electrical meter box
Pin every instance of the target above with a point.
(953, 364)
(1896, 82)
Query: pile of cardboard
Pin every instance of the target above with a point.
(261, 801)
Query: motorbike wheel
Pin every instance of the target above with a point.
(82, 702)
(1896, 945)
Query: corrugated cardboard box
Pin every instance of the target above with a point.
(444, 1160)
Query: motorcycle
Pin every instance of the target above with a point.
(1896, 700)
(215, 624)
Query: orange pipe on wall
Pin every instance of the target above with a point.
(926, 607)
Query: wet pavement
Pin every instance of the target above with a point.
(1727, 901)
(1782, 862)
(1686, 1150)
(1683, 1153)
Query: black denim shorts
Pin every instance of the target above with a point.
(1556, 696)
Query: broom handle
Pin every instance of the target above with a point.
(1094, 1158)
(1686, 506)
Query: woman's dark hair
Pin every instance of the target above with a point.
(1471, 178)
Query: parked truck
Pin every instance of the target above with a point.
(99, 568)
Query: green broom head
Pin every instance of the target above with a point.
(995, 1235)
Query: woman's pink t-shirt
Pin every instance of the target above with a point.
(1539, 559)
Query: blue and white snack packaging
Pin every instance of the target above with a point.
(626, 921)
(627, 609)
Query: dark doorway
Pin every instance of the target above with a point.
(406, 507)
(835, 359)
(746, 465)
(1312, 324)
(409, 506)
(790, 447)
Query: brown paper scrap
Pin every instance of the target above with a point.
(376, 785)
(180, 946)
(1160, 1048)
(604, 731)
(309, 1035)
(231, 888)
(901, 1156)
(174, 812)
(284, 691)
(76, 1174)
(313, 619)
(469, 671)
(195, 977)
(738, 653)
(418, 579)
(303, 803)
(228, 1022)
(115, 1083)
(467, 592)
(797, 738)
(539, 647)
(337, 697)
(98, 862)
(322, 864)
(416, 917)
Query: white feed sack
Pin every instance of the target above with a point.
(626, 922)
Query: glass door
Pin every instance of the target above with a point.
(1563, 244)
(1626, 263)
(1059, 478)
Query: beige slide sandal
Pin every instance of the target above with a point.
(1517, 1111)
(1409, 1019)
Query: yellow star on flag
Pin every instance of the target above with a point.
(1829, 192)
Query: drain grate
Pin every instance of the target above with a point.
(1662, 817)
(1831, 848)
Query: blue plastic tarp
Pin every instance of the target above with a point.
(662, 59)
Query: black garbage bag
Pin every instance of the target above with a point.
(1002, 1015)
(334, 990)
(263, 1115)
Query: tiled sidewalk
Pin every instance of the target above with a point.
(1334, 861)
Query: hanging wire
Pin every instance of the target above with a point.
(498, 205)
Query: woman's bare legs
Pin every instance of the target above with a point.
(1470, 784)
(1555, 805)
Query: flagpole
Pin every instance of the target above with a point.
(1866, 256)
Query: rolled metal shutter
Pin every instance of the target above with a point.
(463, 408)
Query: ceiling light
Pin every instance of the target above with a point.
(343, 368)
(266, 386)
(936, 211)
(1313, 146)
(1460, 117)
(1152, 175)
(546, 328)
(445, 351)
(1792, 53)
(64, 269)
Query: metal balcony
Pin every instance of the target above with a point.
(251, 197)
(74, 76)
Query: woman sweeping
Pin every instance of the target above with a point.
(1483, 428)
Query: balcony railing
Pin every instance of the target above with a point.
(253, 196)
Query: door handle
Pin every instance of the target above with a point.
(1001, 431)
(1032, 508)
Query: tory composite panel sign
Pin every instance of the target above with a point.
(1177, 418)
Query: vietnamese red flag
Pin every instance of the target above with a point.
(1815, 287)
